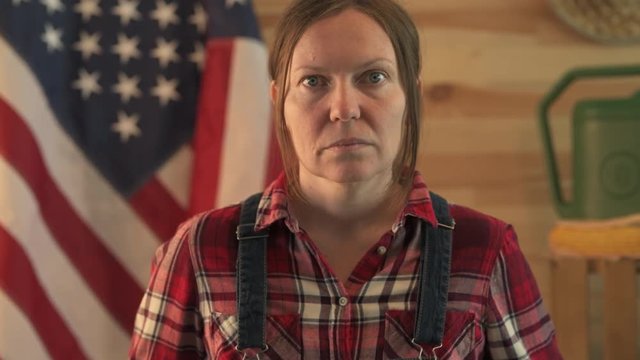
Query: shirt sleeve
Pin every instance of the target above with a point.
(168, 324)
(517, 324)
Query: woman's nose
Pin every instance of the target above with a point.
(345, 105)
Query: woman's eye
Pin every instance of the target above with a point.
(311, 81)
(375, 77)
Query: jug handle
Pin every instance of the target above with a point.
(565, 208)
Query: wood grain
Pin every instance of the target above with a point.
(620, 324)
(570, 308)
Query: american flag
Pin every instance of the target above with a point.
(118, 118)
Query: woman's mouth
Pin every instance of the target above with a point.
(347, 144)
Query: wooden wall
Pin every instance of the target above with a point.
(486, 66)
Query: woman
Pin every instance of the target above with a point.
(347, 255)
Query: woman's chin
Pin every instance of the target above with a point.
(353, 174)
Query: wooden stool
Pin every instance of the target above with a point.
(609, 252)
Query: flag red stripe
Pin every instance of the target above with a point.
(20, 282)
(102, 271)
(158, 208)
(209, 132)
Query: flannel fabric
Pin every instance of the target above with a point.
(494, 307)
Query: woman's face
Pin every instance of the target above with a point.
(345, 105)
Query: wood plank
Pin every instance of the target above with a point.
(537, 28)
(447, 100)
(596, 339)
(529, 196)
(487, 5)
(488, 136)
(484, 60)
(620, 316)
(530, 17)
(486, 169)
(461, 101)
(570, 307)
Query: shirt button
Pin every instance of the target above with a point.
(382, 250)
(343, 301)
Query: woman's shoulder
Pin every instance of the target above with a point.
(218, 215)
(478, 237)
(214, 226)
(202, 235)
(467, 217)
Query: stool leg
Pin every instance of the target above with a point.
(570, 307)
(620, 312)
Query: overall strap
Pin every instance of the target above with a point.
(434, 275)
(251, 275)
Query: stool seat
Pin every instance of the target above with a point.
(611, 238)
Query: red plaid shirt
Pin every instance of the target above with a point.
(494, 308)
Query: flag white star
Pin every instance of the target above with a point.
(127, 11)
(88, 45)
(197, 56)
(165, 90)
(231, 3)
(127, 126)
(18, 2)
(52, 37)
(88, 8)
(165, 14)
(199, 18)
(127, 87)
(87, 83)
(53, 5)
(165, 52)
(126, 48)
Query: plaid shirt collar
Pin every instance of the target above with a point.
(274, 205)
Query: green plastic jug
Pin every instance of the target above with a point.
(606, 150)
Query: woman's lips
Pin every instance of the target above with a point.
(346, 144)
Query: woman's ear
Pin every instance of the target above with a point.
(273, 92)
(419, 85)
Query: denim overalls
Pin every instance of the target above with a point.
(252, 279)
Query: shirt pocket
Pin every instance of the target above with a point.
(458, 341)
(282, 333)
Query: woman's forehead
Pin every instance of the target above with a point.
(348, 38)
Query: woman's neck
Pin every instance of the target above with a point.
(348, 204)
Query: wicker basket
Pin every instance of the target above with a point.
(609, 21)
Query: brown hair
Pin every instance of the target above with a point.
(402, 32)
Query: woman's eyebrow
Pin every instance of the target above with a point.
(308, 69)
(382, 61)
(378, 61)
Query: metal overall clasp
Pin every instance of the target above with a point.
(256, 355)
